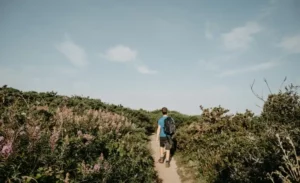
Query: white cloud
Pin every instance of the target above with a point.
(291, 44)
(123, 54)
(145, 70)
(73, 52)
(120, 53)
(254, 68)
(241, 37)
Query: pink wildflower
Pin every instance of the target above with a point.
(96, 167)
(54, 138)
(7, 149)
(88, 137)
(101, 158)
(36, 133)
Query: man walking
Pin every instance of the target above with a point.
(163, 139)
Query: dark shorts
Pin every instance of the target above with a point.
(165, 142)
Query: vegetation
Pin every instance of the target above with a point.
(218, 147)
(45, 137)
(49, 138)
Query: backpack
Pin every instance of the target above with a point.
(169, 127)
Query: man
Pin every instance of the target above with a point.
(162, 138)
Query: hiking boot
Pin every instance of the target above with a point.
(161, 160)
(167, 164)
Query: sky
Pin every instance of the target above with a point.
(152, 53)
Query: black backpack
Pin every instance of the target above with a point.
(169, 127)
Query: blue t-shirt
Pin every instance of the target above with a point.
(161, 123)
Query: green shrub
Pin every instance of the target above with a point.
(283, 107)
(242, 147)
(50, 138)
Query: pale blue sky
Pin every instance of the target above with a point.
(149, 54)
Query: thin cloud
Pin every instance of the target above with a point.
(215, 63)
(208, 31)
(73, 52)
(269, 9)
(69, 72)
(254, 68)
(209, 65)
(240, 38)
(291, 44)
(145, 70)
(120, 53)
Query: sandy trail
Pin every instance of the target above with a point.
(168, 175)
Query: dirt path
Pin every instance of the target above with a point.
(168, 175)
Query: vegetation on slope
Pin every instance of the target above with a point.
(49, 138)
(218, 147)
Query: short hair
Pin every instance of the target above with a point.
(164, 110)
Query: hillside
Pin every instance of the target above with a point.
(51, 138)
(47, 138)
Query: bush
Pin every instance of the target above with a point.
(219, 147)
(50, 138)
(283, 107)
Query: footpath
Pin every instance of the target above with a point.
(168, 175)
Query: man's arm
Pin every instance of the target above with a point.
(157, 133)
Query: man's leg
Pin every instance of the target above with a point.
(168, 148)
(162, 144)
(168, 155)
(162, 151)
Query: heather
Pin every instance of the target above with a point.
(45, 137)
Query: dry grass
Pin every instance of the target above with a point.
(290, 171)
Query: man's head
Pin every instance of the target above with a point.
(164, 111)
